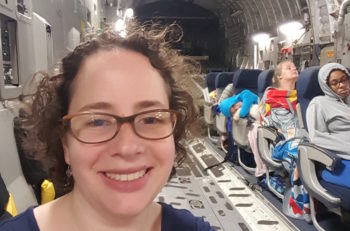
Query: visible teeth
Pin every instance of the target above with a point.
(126, 177)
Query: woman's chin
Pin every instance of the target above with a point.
(127, 211)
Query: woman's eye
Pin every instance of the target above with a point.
(150, 120)
(98, 123)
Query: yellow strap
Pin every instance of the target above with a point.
(47, 191)
(11, 207)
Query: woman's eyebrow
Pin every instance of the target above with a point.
(340, 78)
(108, 106)
(97, 105)
(149, 103)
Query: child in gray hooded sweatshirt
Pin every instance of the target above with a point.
(328, 116)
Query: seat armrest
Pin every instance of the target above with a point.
(208, 113)
(221, 123)
(308, 155)
(266, 137)
(240, 132)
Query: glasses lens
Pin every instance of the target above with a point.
(336, 83)
(155, 125)
(93, 128)
(344, 81)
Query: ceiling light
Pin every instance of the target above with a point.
(261, 37)
(290, 27)
(129, 13)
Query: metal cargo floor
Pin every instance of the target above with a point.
(219, 195)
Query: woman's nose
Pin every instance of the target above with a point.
(127, 142)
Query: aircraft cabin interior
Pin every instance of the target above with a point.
(233, 42)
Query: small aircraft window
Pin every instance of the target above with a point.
(9, 50)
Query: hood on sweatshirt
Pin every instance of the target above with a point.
(323, 75)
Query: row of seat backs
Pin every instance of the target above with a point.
(214, 80)
(255, 80)
(307, 85)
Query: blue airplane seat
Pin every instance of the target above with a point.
(338, 191)
(268, 137)
(223, 79)
(264, 80)
(307, 88)
(312, 156)
(210, 80)
(245, 79)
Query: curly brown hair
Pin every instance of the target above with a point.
(53, 95)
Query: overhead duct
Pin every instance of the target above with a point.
(338, 27)
(342, 10)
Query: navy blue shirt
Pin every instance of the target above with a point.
(172, 220)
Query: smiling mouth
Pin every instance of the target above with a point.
(127, 177)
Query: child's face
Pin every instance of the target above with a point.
(289, 71)
(235, 107)
(121, 176)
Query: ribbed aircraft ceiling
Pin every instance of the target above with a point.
(239, 18)
(252, 15)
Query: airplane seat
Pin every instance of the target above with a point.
(208, 112)
(10, 167)
(264, 80)
(221, 81)
(210, 80)
(210, 85)
(244, 79)
(268, 137)
(312, 157)
(307, 88)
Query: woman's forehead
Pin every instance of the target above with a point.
(118, 78)
(337, 74)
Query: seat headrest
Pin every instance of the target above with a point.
(223, 79)
(264, 80)
(245, 79)
(210, 80)
(307, 88)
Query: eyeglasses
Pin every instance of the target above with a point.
(93, 127)
(336, 83)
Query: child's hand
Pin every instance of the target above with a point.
(236, 115)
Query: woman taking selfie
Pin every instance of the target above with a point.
(114, 117)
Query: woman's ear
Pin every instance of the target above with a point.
(65, 149)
